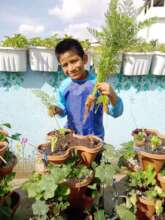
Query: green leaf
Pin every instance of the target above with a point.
(40, 208)
(16, 136)
(99, 215)
(124, 213)
(7, 125)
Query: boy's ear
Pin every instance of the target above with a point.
(85, 58)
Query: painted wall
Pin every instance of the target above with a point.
(143, 98)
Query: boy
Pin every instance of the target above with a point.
(74, 90)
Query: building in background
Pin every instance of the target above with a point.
(153, 8)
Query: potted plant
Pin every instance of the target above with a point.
(161, 179)
(153, 153)
(42, 54)
(128, 156)
(158, 61)
(9, 201)
(60, 187)
(64, 141)
(50, 195)
(13, 54)
(137, 59)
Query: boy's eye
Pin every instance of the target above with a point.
(74, 61)
(64, 65)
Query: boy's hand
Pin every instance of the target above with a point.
(106, 89)
(53, 110)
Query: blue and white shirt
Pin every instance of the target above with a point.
(71, 98)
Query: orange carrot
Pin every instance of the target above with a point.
(88, 105)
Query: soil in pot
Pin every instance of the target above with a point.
(11, 160)
(68, 141)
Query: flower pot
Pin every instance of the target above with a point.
(158, 64)
(9, 167)
(161, 180)
(78, 189)
(146, 207)
(13, 59)
(136, 63)
(87, 154)
(4, 132)
(54, 158)
(156, 160)
(13, 199)
(3, 147)
(43, 59)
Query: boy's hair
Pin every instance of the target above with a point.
(69, 44)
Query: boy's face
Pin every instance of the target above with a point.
(73, 65)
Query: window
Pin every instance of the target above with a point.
(158, 3)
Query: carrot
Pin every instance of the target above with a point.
(88, 105)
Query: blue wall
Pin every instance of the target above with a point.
(143, 98)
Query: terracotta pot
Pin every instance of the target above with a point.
(15, 201)
(87, 202)
(146, 207)
(9, 167)
(156, 160)
(87, 154)
(54, 158)
(4, 132)
(78, 189)
(161, 180)
(3, 147)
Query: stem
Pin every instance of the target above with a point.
(3, 159)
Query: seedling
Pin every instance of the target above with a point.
(53, 143)
(155, 142)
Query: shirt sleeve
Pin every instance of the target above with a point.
(117, 110)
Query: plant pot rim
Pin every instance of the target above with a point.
(87, 149)
(146, 201)
(13, 48)
(84, 182)
(55, 157)
(155, 156)
(138, 53)
(41, 48)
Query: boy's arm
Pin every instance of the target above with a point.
(115, 107)
(59, 107)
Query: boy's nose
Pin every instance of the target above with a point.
(71, 67)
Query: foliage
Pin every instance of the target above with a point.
(140, 136)
(124, 213)
(49, 189)
(127, 151)
(5, 184)
(3, 137)
(162, 172)
(16, 41)
(142, 179)
(155, 142)
(157, 195)
(49, 42)
(46, 99)
(99, 215)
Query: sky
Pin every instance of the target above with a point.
(43, 18)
